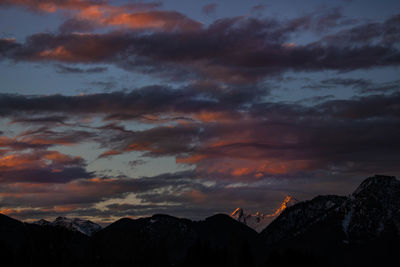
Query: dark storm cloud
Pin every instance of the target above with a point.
(232, 50)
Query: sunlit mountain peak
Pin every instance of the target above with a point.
(258, 221)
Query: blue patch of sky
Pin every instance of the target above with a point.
(19, 23)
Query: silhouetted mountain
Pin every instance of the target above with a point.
(359, 230)
(156, 241)
(163, 240)
(223, 241)
(83, 226)
(24, 244)
(13, 241)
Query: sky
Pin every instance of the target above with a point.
(112, 108)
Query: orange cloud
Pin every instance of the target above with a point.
(59, 53)
(51, 6)
(196, 195)
(134, 16)
(191, 159)
(139, 147)
(19, 161)
(249, 167)
(7, 211)
(65, 208)
(241, 171)
(110, 153)
(57, 157)
(207, 116)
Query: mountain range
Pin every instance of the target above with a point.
(258, 221)
(83, 226)
(362, 229)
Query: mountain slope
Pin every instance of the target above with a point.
(153, 241)
(24, 244)
(259, 221)
(83, 226)
(163, 240)
(359, 230)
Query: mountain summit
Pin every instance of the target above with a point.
(84, 226)
(363, 228)
(372, 209)
(259, 221)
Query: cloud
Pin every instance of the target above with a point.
(66, 69)
(386, 33)
(220, 125)
(361, 85)
(140, 104)
(84, 193)
(52, 6)
(105, 85)
(258, 9)
(77, 25)
(135, 163)
(234, 50)
(231, 134)
(41, 167)
(44, 120)
(90, 14)
(210, 8)
(281, 140)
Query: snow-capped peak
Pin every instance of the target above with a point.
(287, 202)
(84, 226)
(259, 221)
(237, 213)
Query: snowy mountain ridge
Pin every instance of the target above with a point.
(259, 221)
(371, 212)
(84, 226)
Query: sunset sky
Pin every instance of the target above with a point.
(190, 108)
